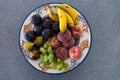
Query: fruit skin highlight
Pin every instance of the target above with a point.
(71, 11)
(75, 52)
(62, 20)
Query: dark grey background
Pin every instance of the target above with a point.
(103, 61)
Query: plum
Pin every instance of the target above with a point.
(47, 33)
(47, 24)
(55, 27)
(30, 36)
(36, 20)
(38, 30)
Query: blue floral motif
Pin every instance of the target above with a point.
(26, 54)
(38, 11)
(81, 18)
(73, 64)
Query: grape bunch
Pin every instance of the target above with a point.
(49, 60)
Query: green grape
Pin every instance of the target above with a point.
(42, 64)
(66, 64)
(43, 50)
(53, 65)
(51, 52)
(51, 60)
(64, 69)
(59, 66)
(51, 56)
(48, 43)
(59, 60)
(46, 58)
(45, 45)
(49, 49)
(42, 56)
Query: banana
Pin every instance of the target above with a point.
(69, 20)
(62, 20)
(71, 11)
(52, 15)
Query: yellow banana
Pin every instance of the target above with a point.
(62, 20)
(69, 20)
(52, 15)
(71, 11)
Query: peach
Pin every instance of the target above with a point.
(77, 31)
(75, 52)
(64, 37)
(61, 53)
(69, 43)
(54, 42)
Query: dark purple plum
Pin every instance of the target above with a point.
(47, 33)
(55, 27)
(38, 30)
(30, 35)
(36, 20)
(47, 24)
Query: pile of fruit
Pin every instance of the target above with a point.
(53, 38)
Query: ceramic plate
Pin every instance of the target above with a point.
(84, 41)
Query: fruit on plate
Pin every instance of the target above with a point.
(38, 30)
(62, 53)
(77, 31)
(71, 11)
(35, 54)
(30, 35)
(47, 33)
(75, 52)
(52, 15)
(69, 43)
(36, 20)
(54, 42)
(28, 46)
(62, 20)
(69, 20)
(55, 27)
(39, 41)
(64, 37)
(47, 24)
